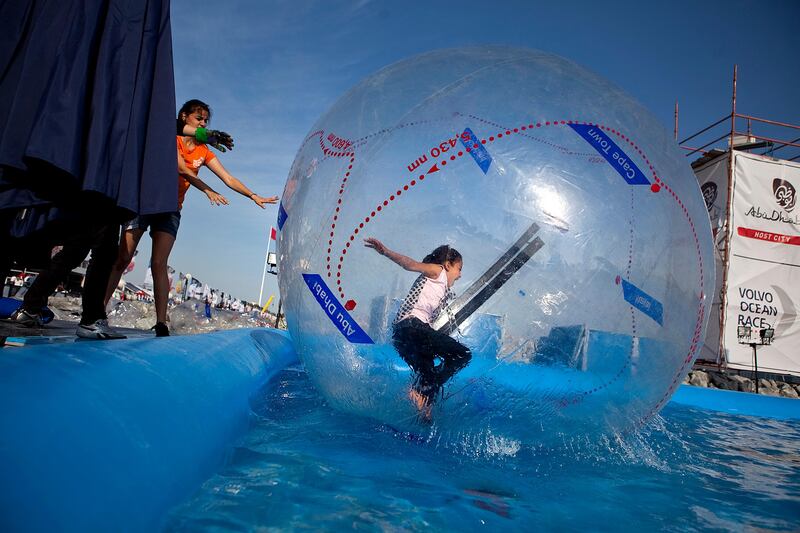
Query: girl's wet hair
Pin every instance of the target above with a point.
(442, 255)
(190, 107)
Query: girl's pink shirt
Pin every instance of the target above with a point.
(430, 297)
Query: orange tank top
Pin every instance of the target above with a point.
(194, 159)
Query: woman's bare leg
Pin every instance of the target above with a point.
(127, 247)
(162, 246)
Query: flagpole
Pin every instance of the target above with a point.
(264, 273)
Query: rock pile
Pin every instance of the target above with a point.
(736, 382)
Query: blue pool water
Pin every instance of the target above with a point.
(224, 432)
(303, 465)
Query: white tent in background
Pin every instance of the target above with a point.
(148, 279)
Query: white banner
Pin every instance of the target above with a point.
(764, 270)
(713, 180)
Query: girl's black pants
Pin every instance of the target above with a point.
(419, 345)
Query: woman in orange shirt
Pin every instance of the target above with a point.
(192, 154)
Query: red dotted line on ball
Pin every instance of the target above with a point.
(398, 193)
(358, 228)
(583, 394)
(695, 337)
(630, 240)
(342, 186)
(567, 151)
(655, 187)
(676, 379)
(691, 225)
(700, 312)
(330, 153)
(443, 162)
(695, 342)
(309, 137)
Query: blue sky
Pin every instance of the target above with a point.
(269, 69)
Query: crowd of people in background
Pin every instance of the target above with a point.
(189, 288)
(185, 289)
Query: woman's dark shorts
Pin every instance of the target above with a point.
(165, 222)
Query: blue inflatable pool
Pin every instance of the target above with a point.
(99, 435)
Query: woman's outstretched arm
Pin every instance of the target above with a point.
(217, 168)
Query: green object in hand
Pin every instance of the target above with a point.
(218, 139)
(201, 134)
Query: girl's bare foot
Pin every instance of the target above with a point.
(422, 403)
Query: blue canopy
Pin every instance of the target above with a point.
(87, 103)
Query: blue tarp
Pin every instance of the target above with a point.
(108, 436)
(738, 403)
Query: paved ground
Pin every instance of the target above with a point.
(56, 331)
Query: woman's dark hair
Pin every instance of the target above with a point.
(442, 255)
(190, 107)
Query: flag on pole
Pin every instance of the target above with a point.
(272, 233)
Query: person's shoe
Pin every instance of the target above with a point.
(162, 330)
(423, 405)
(27, 319)
(99, 330)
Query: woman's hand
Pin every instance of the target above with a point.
(216, 198)
(218, 139)
(261, 201)
(375, 244)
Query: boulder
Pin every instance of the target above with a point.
(722, 381)
(698, 378)
(768, 387)
(743, 384)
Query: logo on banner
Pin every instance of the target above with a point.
(709, 191)
(786, 198)
(785, 194)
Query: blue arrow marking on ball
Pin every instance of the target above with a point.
(282, 216)
(643, 302)
(335, 311)
(612, 153)
(479, 154)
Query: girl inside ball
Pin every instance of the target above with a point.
(414, 337)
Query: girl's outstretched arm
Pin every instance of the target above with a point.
(191, 176)
(430, 270)
(217, 168)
